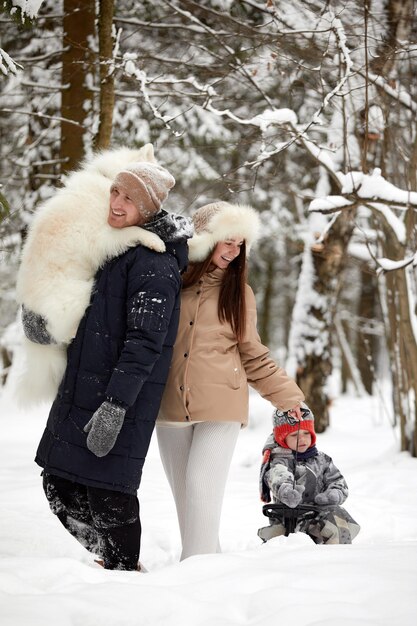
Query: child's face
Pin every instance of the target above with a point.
(304, 440)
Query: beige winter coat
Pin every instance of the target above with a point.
(210, 370)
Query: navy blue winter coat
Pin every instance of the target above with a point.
(122, 350)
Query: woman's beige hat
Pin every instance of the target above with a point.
(219, 221)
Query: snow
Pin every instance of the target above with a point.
(375, 187)
(274, 116)
(329, 204)
(29, 7)
(46, 577)
(389, 265)
(6, 63)
(319, 154)
(308, 334)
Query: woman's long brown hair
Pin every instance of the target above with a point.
(232, 300)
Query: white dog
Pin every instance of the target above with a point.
(68, 240)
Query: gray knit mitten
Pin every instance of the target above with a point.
(34, 327)
(289, 495)
(331, 496)
(104, 428)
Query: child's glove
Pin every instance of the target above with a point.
(290, 496)
(331, 496)
(104, 427)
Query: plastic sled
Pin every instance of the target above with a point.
(287, 516)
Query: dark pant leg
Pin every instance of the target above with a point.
(69, 502)
(116, 520)
(105, 522)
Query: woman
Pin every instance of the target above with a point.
(217, 353)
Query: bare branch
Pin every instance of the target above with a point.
(55, 118)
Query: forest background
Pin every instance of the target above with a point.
(304, 109)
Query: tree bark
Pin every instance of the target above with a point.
(267, 297)
(366, 345)
(399, 15)
(402, 342)
(105, 40)
(78, 25)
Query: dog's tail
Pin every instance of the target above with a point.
(43, 369)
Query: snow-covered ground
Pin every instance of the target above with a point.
(47, 579)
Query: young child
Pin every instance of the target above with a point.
(297, 473)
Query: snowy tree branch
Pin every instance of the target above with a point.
(56, 118)
(7, 64)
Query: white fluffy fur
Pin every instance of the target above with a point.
(42, 372)
(69, 239)
(233, 221)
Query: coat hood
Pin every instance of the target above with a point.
(174, 230)
(170, 227)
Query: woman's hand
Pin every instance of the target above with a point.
(295, 413)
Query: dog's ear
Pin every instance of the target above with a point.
(146, 153)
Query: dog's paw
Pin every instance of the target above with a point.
(141, 236)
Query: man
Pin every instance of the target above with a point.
(100, 424)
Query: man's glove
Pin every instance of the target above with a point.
(290, 496)
(331, 496)
(34, 327)
(104, 427)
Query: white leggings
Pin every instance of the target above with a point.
(196, 460)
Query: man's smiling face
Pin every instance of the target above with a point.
(122, 211)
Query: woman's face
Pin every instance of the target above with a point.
(226, 251)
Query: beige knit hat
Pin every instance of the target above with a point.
(219, 221)
(147, 184)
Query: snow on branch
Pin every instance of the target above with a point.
(374, 187)
(55, 118)
(30, 8)
(239, 65)
(129, 61)
(374, 191)
(322, 156)
(263, 121)
(7, 64)
(400, 93)
(275, 116)
(329, 204)
(269, 117)
(340, 35)
(388, 265)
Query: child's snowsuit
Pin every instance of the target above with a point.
(315, 473)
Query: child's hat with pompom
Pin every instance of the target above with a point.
(285, 424)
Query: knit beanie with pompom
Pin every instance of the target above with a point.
(219, 221)
(285, 424)
(146, 184)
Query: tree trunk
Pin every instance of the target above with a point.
(314, 370)
(403, 342)
(267, 297)
(78, 25)
(366, 344)
(105, 39)
(399, 15)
